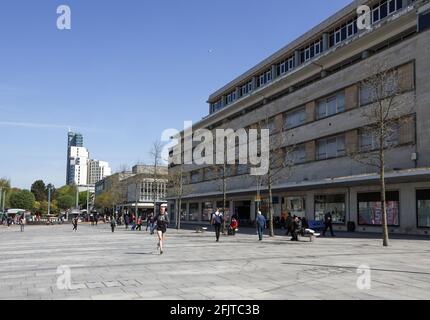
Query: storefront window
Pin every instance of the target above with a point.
(207, 210)
(183, 211)
(193, 214)
(295, 206)
(370, 211)
(335, 204)
(423, 206)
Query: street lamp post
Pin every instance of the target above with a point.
(49, 200)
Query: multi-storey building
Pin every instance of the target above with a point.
(97, 170)
(139, 187)
(78, 163)
(312, 91)
(73, 140)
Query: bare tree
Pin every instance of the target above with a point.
(387, 111)
(156, 156)
(178, 189)
(280, 166)
(220, 173)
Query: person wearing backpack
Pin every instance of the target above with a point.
(217, 220)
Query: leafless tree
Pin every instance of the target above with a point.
(155, 153)
(388, 109)
(177, 189)
(281, 162)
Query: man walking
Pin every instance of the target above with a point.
(113, 224)
(217, 220)
(328, 222)
(22, 223)
(261, 225)
(75, 224)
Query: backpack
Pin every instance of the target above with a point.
(217, 219)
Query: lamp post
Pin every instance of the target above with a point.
(49, 200)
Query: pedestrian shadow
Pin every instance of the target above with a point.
(141, 253)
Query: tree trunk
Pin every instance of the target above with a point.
(272, 231)
(179, 213)
(383, 195)
(224, 194)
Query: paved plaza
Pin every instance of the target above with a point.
(125, 265)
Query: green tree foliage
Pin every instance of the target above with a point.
(38, 188)
(66, 201)
(22, 199)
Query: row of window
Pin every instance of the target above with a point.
(341, 33)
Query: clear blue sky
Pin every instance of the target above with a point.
(125, 72)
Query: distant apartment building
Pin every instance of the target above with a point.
(312, 91)
(97, 170)
(81, 170)
(78, 166)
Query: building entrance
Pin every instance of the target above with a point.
(242, 210)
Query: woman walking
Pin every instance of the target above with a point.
(162, 220)
(113, 224)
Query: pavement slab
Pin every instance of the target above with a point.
(96, 264)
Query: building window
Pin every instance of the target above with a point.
(370, 141)
(367, 94)
(242, 169)
(332, 147)
(370, 211)
(195, 177)
(297, 155)
(296, 206)
(331, 105)
(193, 214)
(423, 208)
(291, 64)
(295, 118)
(207, 210)
(334, 204)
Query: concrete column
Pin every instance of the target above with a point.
(237, 93)
(200, 211)
(325, 42)
(223, 101)
(408, 209)
(405, 3)
(231, 208)
(310, 206)
(253, 213)
(187, 211)
(297, 59)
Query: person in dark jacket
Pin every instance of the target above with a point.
(162, 221)
(288, 224)
(113, 224)
(295, 227)
(126, 221)
(328, 222)
(217, 220)
(75, 224)
(261, 225)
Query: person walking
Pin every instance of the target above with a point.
(151, 224)
(113, 224)
(75, 224)
(126, 221)
(261, 225)
(22, 223)
(288, 224)
(217, 220)
(162, 221)
(139, 224)
(295, 227)
(328, 224)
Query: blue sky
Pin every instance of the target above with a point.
(125, 72)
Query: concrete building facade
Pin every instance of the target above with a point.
(313, 94)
